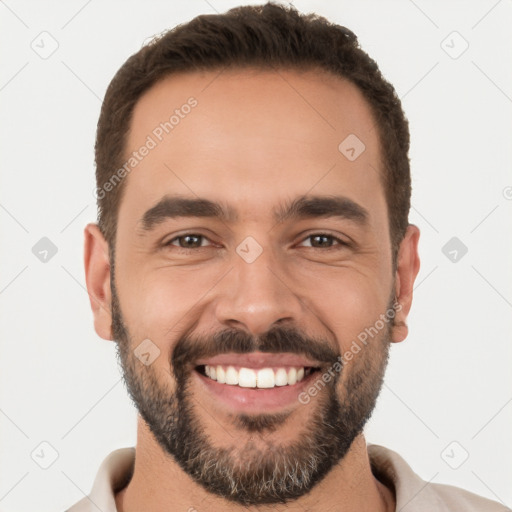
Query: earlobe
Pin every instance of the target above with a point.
(407, 269)
(97, 277)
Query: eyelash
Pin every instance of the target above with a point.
(339, 243)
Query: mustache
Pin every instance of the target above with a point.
(278, 339)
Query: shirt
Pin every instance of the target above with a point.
(412, 494)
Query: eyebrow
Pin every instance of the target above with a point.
(323, 207)
(304, 207)
(170, 207)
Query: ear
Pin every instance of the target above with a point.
(408, 266)
(97, 277)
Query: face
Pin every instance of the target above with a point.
(252, 256)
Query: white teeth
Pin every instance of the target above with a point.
(263, 378)
(266, 378)
(221, 374)
(247, 378)
(281, 377)
(231, 376)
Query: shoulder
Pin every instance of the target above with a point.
(413, 494)
(455, 498)
(113, 474)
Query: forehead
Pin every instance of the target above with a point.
(252, 138)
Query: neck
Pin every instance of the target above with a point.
(159, 484)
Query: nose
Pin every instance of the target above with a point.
(257, 296)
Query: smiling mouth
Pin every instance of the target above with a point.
(256, 378)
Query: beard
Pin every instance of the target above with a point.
(248, 472)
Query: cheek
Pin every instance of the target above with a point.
(356, 316)
(161, 303)
(347, 301)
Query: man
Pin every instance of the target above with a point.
(253, 261)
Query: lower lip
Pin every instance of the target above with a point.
(255, 400)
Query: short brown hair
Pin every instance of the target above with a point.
(269, 36)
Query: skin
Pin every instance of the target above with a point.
(255, 140)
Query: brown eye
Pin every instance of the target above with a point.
(323, 241)
(188, 241)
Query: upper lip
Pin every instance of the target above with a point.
(259, 360)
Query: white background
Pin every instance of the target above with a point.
(449, 381)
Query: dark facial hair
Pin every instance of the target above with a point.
(247, 473)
